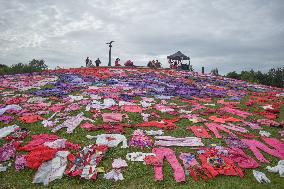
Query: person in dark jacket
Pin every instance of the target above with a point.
(98, 62)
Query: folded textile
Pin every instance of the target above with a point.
(173, 141)
(110, 140)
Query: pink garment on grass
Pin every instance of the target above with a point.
(112, 117)
(169, 154)
(275, 143)
(255, 145)
(242, 159)
(215, 127)
(132, 108)
(239, 113)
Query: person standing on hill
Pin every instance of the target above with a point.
(87, 61)
(98, 62)
(116, 63)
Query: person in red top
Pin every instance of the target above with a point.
(116, 63)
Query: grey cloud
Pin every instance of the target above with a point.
(229, 35)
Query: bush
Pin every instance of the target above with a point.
(33, 66)
(274, 77)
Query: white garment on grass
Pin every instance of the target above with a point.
(57, 144)
(145, 116)
(52, 170)
(10, 107)
(173, 141)
(108, 102)
(138, 156)
(264, 133)
(114, 174)
(111, 140)
(152, 132)
(5, 131)
(277, 169)
(145, 104)
(75, 98)
(260, 177)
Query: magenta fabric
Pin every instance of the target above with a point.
(214, 127)
(242, 159)
(275, 143)
(255, 145)
(169, 154)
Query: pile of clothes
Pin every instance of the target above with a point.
(160, 115)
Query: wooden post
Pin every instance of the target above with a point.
(202, 70)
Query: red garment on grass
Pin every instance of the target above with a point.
(31, 118)
(165, 124)
(36, 157)
(229, 168)
(38, 141)
(199, 131)
(85, 158)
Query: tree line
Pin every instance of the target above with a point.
(33, 66)
(274, 77)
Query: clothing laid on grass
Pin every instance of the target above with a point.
(233, 111)
(140, 140)
(7, 151)
(279, 168)
(193, 168)
(218, 164)
(255, 146)
(169, 155)
(52, 169)
(31, 118)
(241, 158)
(10, 107)
(112, 117)
(110, 128)
(199, 131)
(110, 140)
(86, 162)
(234, 142)
(138, 156)
(214, 127)
(71, 123)
(5, 131)
(116, 172)
(173, 141)
(164, 124)
(260, 177)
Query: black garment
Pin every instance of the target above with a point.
(87, 62)
(98, 62)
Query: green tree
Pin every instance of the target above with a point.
(38, 64)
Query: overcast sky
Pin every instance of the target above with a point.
(230, 35)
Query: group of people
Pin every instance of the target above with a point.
(89, 62)
(128, 63)
(154, 64)
(174, 63)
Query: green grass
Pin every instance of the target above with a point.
(138, 175)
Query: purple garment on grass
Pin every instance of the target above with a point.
(7, 151)
(20, 162)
